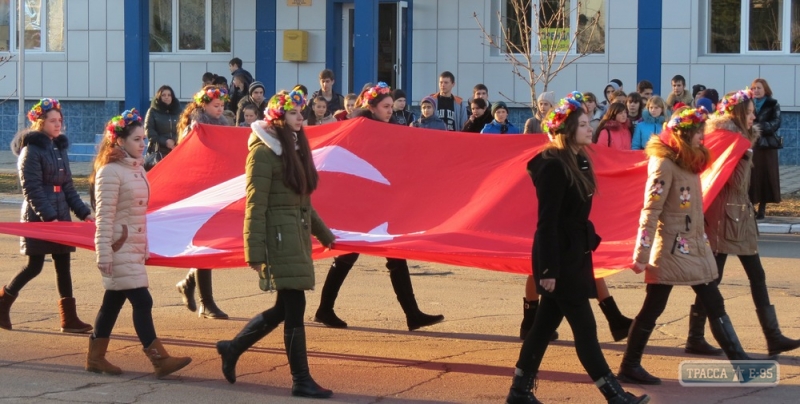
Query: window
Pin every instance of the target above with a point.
(44, 25)
(559, 21)
(197, 26)
(753, 26)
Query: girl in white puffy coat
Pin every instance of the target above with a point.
(121, 193)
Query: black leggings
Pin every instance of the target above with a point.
(290, 306)
(346, 261)
(755, 273)
(581, 319)
(34, 268)
(657, 296)
(142, 304)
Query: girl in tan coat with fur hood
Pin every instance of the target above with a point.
(671, 246)
(121, 193)
(732, 229)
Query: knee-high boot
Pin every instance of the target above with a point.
(186, 289)
(69, 317)
(208, 308)
(776, 341)
(330, 291)
(230, 351)
(619, 324)
(726, 337)
(631, 370)
(696, 342)
(6, 300)
(401, 282)
(302, 383)
(529, 314)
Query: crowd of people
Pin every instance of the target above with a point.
(281, 176)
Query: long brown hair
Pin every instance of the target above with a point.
(299, 172)
(611, 114)
(739, 118)
(676, 145)
(186, 117)
(312, 117)
(562, 148)
(108, 151)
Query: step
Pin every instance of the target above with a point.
(80, 158)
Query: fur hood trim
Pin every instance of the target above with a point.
(39, 139)
(199, 116)
(725, 122)
(656, 148)
(648, 118)
(267, 135)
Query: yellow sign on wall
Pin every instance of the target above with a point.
(298, 2)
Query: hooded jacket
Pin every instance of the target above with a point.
(161, 124)
(431, 122)
(249, 100)
(460, 113)
(278, 222)
(47, 188)
(497, 128)
(475, 124)
(671, 237)
(730, 221)
(615, 135)
(648, 127)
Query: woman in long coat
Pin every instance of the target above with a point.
(765, 179)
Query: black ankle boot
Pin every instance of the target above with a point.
(186, 289)
(528, 315)
(696, 342)
(330, 291)
(726, 337)
(522, 388)
(208, 308)
(631, 370)
(302, 383)
(619, 324)
(230, 351)
(401, 282)
(776, 341)
(613, 392)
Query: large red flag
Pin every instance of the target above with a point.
(389, 190)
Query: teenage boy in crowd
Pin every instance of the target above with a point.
(335, 100)
(451, 108)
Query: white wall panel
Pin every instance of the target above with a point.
(308, 75)
(447, 15)
(97, 14)
(244, 47)
(623, 14)
(97, 64)
(312, 17)
(168, 73)
(739, 76)
(592, 78)
(244, 15)
(425, 14)
(677, 13)
(465, 10)
(670, 70)
(115, 19)
(711, 76)
(77, 14)
(78, 82)
(191, 78)
(115, 46)
(316, 46)
(286, 76)
(622, 71)
(287, 18)
(78, 46)
(675, 46)
(564, 83)
(467, 76)
(56, 80)
(424, 46)
(425, 80)
(780, 79)
(115, 79)
(447, 50)
(622, 45)
(8, 85)
(498, 78)
(470, 48)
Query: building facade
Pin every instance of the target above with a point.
(99, 56)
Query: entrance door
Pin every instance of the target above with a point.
(348, 33)
(392, 30)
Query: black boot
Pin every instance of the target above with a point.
(334, 281)
(726, 338)
(302, 383)
(631, 370)
(776, 341)
(619, 324)
(529, 314)
(613, 392)
(230, 351)
(762, 211)
(186, 289)
(522, 388)
(401, 282)
(208, 308)
(696, 342)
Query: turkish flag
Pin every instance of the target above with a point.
(388, 190)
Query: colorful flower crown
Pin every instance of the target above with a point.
(42, 107)
(119, 122)
(725, 106)
(282, 102)
(556, 118)
(204, 97)
(373, 93)
(688, 119)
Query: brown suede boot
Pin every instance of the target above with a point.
(163, 364)
(6, 300)
(69, 317)
(96, 358)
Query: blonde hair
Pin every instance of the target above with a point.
(659, 102)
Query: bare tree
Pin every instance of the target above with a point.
(536, 38)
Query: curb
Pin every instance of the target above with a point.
(778, 228)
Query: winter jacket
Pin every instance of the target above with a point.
(243, 72)
(533, 125)
(432, 122)
(475, 124)
(768, 118)
(122, 193)
(248, 100)
(671, 237)
(460, 108)
(765, 184)
(497, 128)
(564, 237)
(47, 188)
(615, 135)
(199, 116)
(648, 127)
(730, 221)
(336, 103)
(278, 222)
(686, 98)
(402, 117)
(326, 119)
(161, 124)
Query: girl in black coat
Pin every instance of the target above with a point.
(765, 180)
(161, 121)
(562, 254)
(49, 196)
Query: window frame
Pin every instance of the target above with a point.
(502, 7)
(13, 30)
(208, 32)
(744, 38)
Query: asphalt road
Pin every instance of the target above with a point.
(469, 358)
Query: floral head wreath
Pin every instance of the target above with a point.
(282, 102)
(556, 118)
(725, 106)
(43, 107)
(204, 97)
(119, 122)
(688, 119)
(373, 93)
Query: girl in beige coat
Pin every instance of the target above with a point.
(671, 246)
(731, 228)
(121, 192)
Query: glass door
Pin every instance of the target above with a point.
(392, 27)
(348, 33)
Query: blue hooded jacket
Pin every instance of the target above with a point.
(495, 128)
(648, 127)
